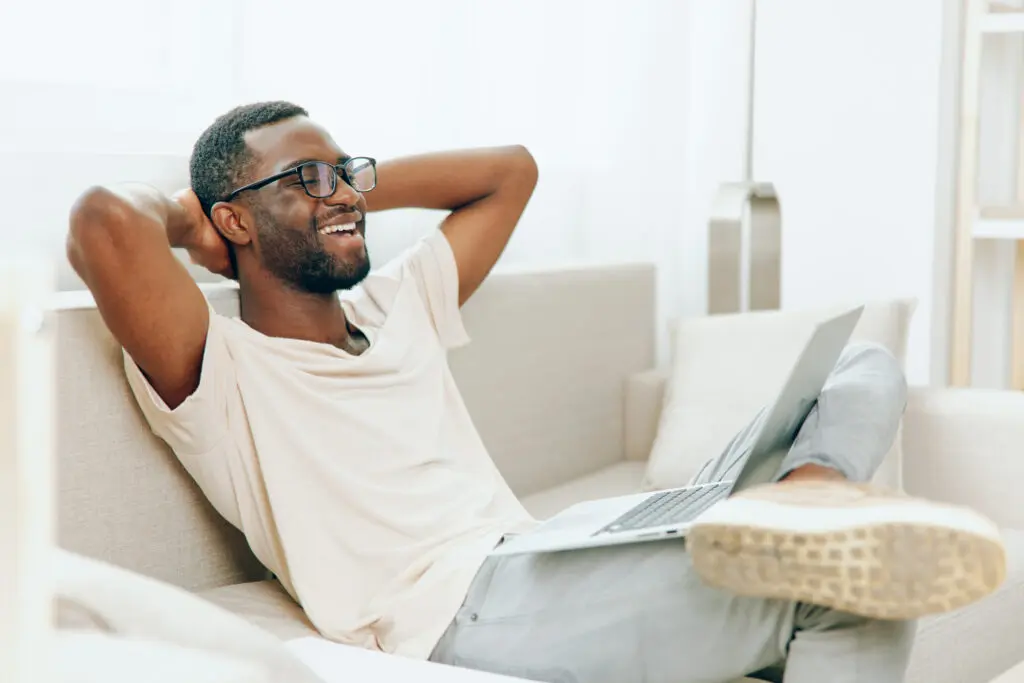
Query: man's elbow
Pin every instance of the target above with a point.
(95, 218)
(524, 166)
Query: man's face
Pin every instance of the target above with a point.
(293, 240)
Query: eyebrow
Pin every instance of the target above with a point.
(291, 165)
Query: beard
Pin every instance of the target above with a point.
(298, 258)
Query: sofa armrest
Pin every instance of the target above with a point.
(965, 446)
(643, 396)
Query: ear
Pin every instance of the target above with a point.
(232, 222)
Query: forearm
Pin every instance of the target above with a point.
(119, 243)
(141, 209)
(445, 180)
(160, 210)
(486, 191)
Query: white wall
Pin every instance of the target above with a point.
(847, 109)
(116, 102)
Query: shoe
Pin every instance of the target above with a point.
(850, 547)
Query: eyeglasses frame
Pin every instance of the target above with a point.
(339, 170)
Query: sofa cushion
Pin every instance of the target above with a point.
(553, 412)
(266, 604)
(616, 480)
(92, 594)
(727, 367)
(1013, 675)
(980, 641)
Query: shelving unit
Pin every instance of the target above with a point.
(998, 223)
(976, 222)
(1000, 17)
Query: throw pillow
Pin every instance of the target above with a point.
(727, 367)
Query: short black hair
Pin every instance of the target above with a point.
(220, 156)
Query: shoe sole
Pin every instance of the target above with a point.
(898, 569)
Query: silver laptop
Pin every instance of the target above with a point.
(669, 514)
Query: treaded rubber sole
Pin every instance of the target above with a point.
(881, 571)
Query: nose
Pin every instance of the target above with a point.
(344, 195)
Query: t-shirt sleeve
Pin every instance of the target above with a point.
(432, 264)
(200, 422)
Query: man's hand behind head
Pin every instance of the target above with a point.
(205, 246)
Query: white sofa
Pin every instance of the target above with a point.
(569, 416)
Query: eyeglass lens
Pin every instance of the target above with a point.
(320, 179)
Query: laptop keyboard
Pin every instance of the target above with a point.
(668, 507)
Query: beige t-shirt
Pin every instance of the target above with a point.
(359, 480)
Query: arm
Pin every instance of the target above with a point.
(486, 191)
(119, 242)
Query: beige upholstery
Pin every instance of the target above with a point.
(123, 496)
(543, 377)
(1013, 675)
(559, 381)
(645, 392)
(614, 480)
(266, 604)
(965, 446)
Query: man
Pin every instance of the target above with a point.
(329, 430)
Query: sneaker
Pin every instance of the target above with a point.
(850, 547)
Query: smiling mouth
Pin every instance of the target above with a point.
(348, 228)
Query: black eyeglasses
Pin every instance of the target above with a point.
(320, 179)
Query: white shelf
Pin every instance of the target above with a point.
(1002, 19)
(999, 223)
(974, 223)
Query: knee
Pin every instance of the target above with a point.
(877, 371)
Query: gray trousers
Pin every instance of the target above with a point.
(639, 613)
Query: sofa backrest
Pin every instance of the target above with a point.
(543, 380)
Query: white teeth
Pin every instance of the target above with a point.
(346, 227)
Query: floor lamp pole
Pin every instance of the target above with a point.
(745, 227)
